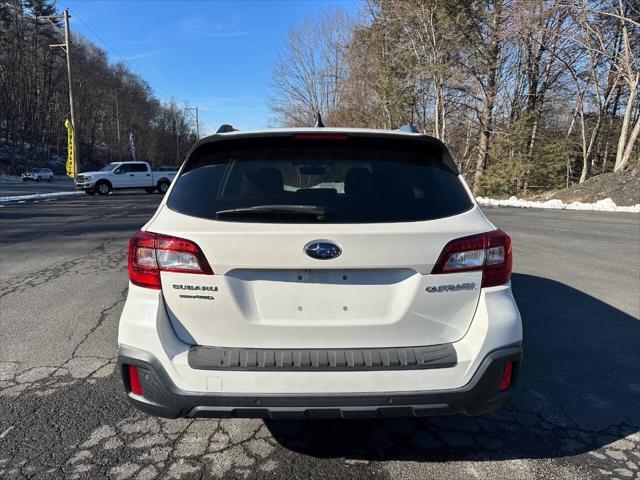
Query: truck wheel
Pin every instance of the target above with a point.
(103, 188)
(150, 189)
(163, 186)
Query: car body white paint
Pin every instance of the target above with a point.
(125, 180)
(269, 294)
(38, 174)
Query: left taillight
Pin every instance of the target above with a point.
(488, 252)
(151, 253)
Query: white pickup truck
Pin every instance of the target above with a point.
(126, 175)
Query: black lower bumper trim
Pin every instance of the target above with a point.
(163, 398)
(319, 360)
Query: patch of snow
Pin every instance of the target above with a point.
(21, 198)
(606, 205)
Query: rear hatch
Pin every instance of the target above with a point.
(320, 241)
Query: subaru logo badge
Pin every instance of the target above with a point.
(322, 250)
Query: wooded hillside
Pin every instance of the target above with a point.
(528, 94)
(34, 101)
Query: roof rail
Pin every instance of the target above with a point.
(409, 128)
(319, 123)
(225, 128)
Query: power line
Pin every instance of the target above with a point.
(197, 118)
(168, 95)
(206, 123)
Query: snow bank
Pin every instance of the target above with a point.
(14, 198)
(606, 205)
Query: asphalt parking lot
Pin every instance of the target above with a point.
(63, 414)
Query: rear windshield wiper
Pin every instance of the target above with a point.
(315, 211)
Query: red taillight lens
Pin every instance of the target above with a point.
(497, 269)
(134, 380)
(489, 252)
(507, 373)
(143, 268)
(150, 253)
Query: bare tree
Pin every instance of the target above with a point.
(484, 36)
(310, 72)
(524, 93)
(628, 65)
(612, 68)
(34, 99)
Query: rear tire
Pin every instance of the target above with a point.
(150, 189)
(103, 188)
(163, 186)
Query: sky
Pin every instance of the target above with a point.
(217, 55)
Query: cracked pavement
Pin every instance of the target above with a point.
(63, 413)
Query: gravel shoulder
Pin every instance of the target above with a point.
(622, 187)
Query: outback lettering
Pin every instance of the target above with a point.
(451, 287)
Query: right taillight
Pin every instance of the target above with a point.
(488, 252)
(150, 253)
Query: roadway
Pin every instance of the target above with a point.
(63, 413)
(10, 186)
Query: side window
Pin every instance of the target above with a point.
(138, 167)
(124, 168)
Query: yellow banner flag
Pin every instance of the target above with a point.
(71, 149)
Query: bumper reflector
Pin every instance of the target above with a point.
(134, 380)
(505, 383)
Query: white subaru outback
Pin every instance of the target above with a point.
(314, 273)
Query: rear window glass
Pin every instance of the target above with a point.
(357, 180)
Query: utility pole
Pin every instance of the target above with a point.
(118, 127)
(188, 109)
(175, 129)
(65, 46)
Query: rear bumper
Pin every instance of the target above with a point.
(163, 398)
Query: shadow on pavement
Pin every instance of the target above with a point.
(579, 390)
